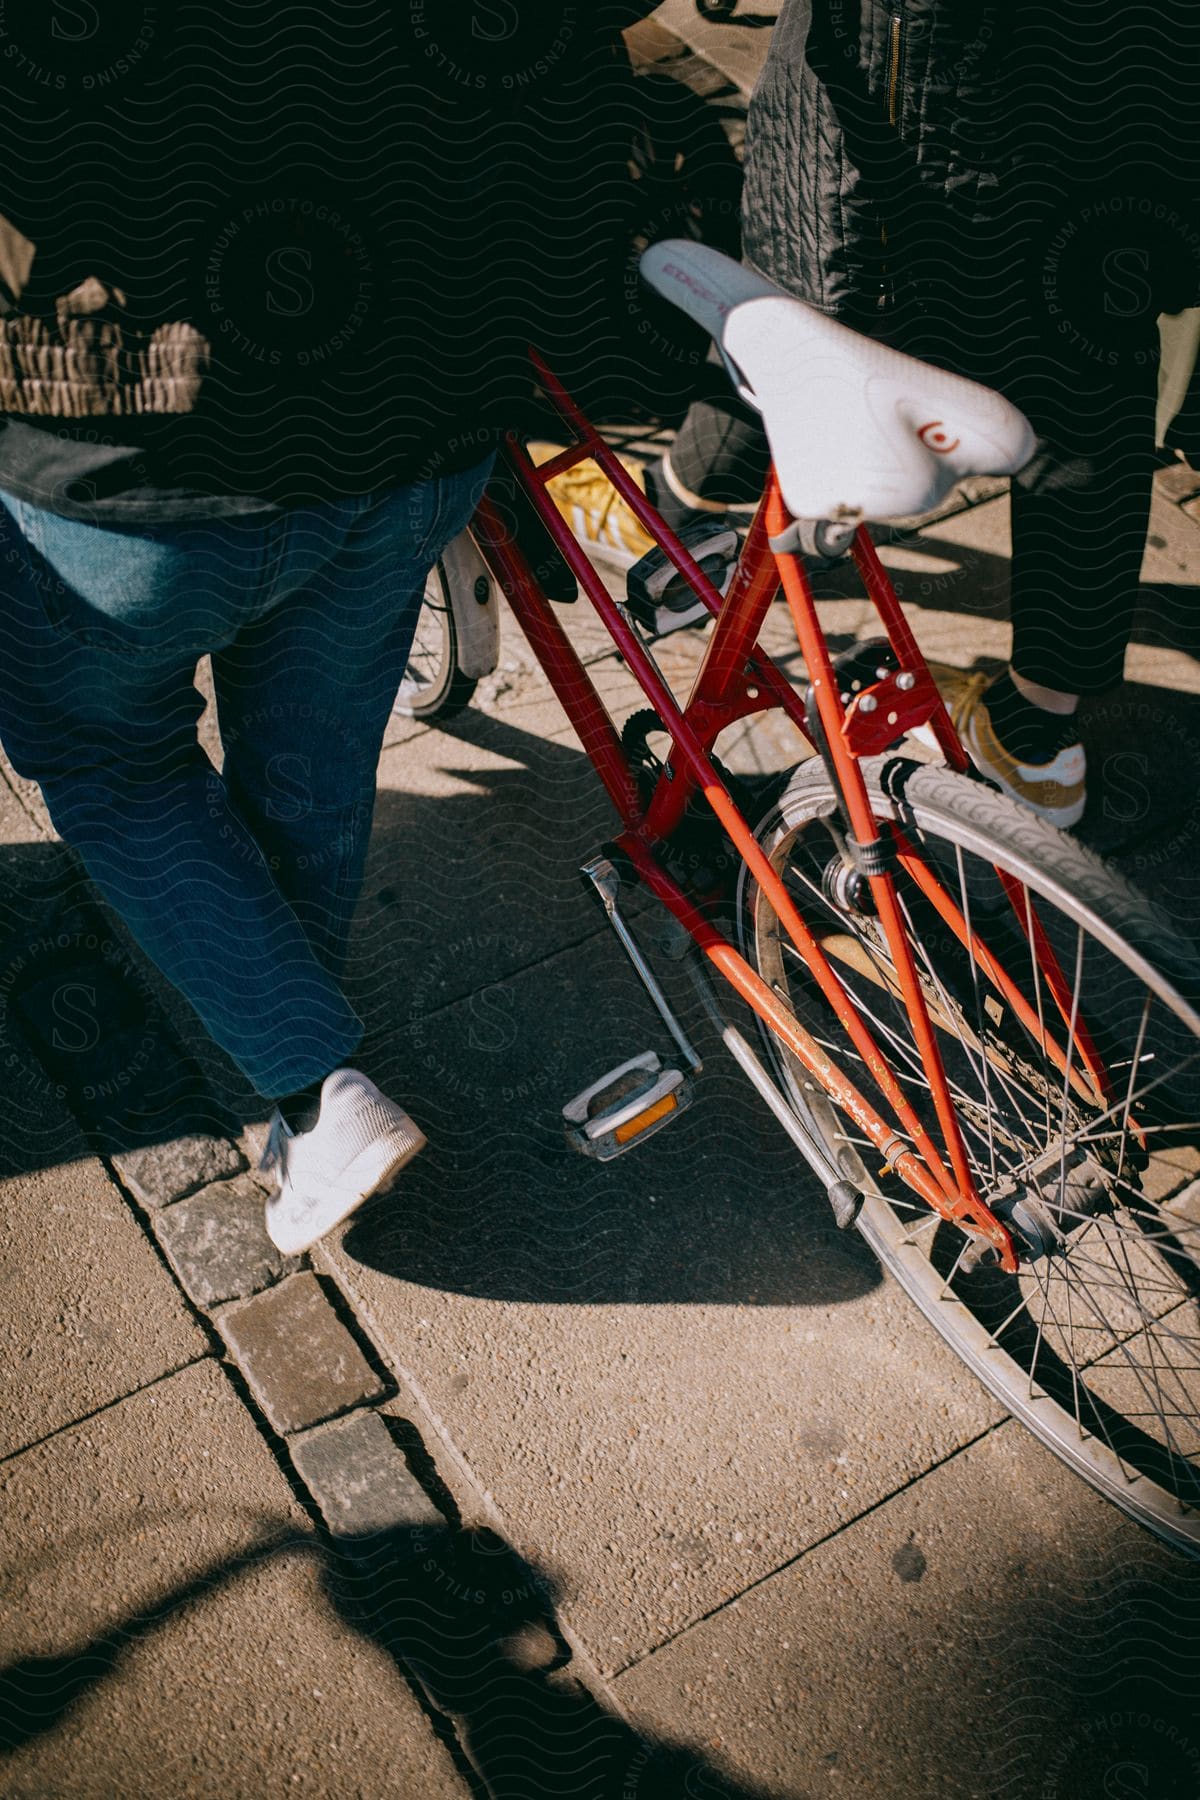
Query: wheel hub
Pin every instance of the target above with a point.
(847, 888)
(1054, 1199)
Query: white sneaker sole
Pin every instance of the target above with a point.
(296, 1230)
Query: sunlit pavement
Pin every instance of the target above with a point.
(730, 1492)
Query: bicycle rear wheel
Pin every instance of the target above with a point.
(1095, 1342)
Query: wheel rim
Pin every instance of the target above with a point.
(430, 660)
(1095, 1343)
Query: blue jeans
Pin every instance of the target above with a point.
(240, 886)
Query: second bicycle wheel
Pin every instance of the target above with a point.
(1090, 1159)
(434, 687)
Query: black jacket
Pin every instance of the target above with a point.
(281, 253)
(967, 174)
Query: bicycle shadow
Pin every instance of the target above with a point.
(493, 991)
(472, 1629)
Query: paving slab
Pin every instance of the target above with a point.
(217, 1243)
(356, 1473)
(1177, 482)
(88, 1313)
(995, 1631)
(302, 1363)
(672, 1373)
(22, 820)
(154, 1645)
(156, 1174)
(737, 48)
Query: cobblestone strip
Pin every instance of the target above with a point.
(283, 1328)
(302, 1364)
(314, 1378)
(420, 1581)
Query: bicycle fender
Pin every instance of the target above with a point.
(473, 600)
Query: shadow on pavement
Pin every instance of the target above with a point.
(491, 991)
(1073, 1687)
(470, 1625)
(86, 1025)
(475, 1625)
(37, 1693)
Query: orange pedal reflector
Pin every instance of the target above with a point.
(643, 1121)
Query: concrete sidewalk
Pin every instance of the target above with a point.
(643, 1466)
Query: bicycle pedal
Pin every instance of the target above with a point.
(628, 1104)
(659, 597)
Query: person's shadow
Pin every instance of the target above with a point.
(471, 1627)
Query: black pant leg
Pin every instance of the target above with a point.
(1079, 516)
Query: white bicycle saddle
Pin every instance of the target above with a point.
(857, 431)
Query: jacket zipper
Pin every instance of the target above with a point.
(891, 86)
(892, 76)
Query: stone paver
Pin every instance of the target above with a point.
(217, 1243)
(87, 1311)
(996, 1631)
(147, 1651)
(157, 1174)
(358, 1477)
(301, 1362)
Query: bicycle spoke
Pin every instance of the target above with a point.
(1134, 1063)
(964, 901)
(1094, 1339)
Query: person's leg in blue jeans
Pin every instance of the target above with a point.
(101, 634)
(304, 695)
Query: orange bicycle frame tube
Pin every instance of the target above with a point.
(737, 679)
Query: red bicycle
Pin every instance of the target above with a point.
(980, 1039)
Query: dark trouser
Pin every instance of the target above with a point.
(1079, 512)
(1079, 515)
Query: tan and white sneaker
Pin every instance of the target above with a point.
(1055, 790)
(604, 524)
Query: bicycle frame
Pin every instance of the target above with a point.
(736, 680)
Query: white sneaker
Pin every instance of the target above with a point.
(357, 1147)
